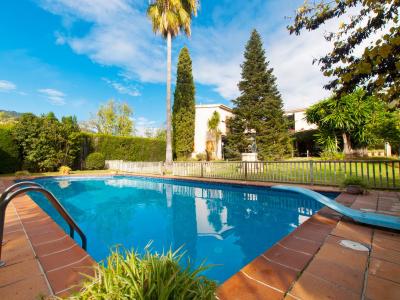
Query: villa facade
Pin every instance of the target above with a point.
(205, 112)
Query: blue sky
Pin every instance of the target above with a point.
(69, 56)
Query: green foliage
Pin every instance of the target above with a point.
(378, 65)
(64, 170)
(95, 161)
(170, 17)
(46, 143)
(183, 116)
(356, 118)
(258, 108)
(213, 135)
(389, 128)
(9, 152)
(22, 173)
(128, 275)
(201, 156)
(114, 118)
(329, 155)
(354, 180)
(127, 148)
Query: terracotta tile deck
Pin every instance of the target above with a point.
(307, 264)
(41, 259)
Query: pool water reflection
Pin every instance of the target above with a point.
(225, 225)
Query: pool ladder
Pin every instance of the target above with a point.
(28, 186)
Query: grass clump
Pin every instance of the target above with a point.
(128, 275)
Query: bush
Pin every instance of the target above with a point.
(128, 275)
(22, 173)
(65, 170)
(95, 161)
(9, 153)
(329, 155)
(127, 148)
(201, 156)
(353, 180)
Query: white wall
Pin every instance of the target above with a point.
(300, 123)
(203, 114)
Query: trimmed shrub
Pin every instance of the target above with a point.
(22, 173)
(354, 180)
(128, 275)
(65, 170)
(95, 161)
(9, 152)
(128, 148)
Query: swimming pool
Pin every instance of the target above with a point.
(226, 225)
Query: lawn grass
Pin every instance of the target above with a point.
(375, 173)
(77, 172)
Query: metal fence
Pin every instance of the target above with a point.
(377, 174)
(135, 167)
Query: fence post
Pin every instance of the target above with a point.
(312, 172)
(245, 170)
(202, 169)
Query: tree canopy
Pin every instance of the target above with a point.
(114, 118)
(258, 110)
(47, 143)
(358, 119)
(183, 116)
(375, 23)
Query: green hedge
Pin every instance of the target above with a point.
(95, 161)
(9, 153)
(127, 148)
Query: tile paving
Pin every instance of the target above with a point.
(309, 263)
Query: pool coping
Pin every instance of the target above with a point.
(283, 260)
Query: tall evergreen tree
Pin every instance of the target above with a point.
(258, 110)
(184, 107)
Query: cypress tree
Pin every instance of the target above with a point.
(259, 108)
(183, 118)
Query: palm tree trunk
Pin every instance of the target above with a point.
(346, 144)
(168, 154)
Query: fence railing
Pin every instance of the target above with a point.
(377, 174)
(135, 167)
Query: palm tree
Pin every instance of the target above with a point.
(169, 17)
(214, 132)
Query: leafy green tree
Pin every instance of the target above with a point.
(352, 118)
(168, 18)
(378, 66)
(183, 117)
(258, 110)
(114, 118)
(46, 143)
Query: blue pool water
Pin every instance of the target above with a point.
(226, 225)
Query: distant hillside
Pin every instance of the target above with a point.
(7, 116)
(10, 113)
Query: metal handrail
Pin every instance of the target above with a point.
(16, 185)
(53, 200)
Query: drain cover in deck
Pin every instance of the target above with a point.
(353, 245)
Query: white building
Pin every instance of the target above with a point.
(299, 116)
(203, 114)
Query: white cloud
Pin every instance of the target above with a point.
(120, 35)
(142, 124)
(122, 88)
(7, 86)
(55, 97)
